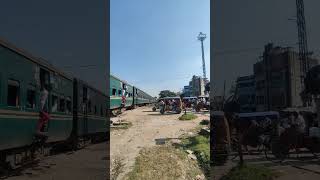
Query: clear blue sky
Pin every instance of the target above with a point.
(154, 42)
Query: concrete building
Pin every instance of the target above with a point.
(277, 79)
(197, 85)
(246, 93)
(187, 91)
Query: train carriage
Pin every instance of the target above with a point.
(134, 96)
(21, 78)
(91, 111)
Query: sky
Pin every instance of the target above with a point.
(242, 28)
(70, 34)
(154, 43)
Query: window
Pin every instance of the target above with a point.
(31, 98)
(69, 109)
(89, 106)
(101, 111)
(95, 109)
(54, 105)
(119, 92)
(62, 105)
(85, 94)
(13, 93)
(114, 92)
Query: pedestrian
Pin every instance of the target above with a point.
(43, 114)
(298, 122)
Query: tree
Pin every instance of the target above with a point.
(166, 93)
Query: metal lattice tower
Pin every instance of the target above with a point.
(202, 37)
(302, 37)
(303, 47)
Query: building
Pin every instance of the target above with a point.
(277, 79)
(187, 91)
(197, 85)
(246, 93)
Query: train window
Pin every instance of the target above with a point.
(68, 106)
(13, 97)
(54, 105)
(119, 92)
(95, 109)
(101, 111)
(85, 94)
(31, 99)
(89, 106)
(114, 92)
(62, 105)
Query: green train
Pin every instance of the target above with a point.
(78, 112)
(120, 89)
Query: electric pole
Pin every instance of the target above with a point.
(202, 37)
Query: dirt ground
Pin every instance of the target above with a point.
(89, 163)
(146, 127)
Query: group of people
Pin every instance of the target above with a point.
(173, 104)
(293, 120)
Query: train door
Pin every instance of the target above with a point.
(133, 97)
(86, 107)
(44, 99)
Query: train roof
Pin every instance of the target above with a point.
(190, 97)
(120, 79)
(91, 87)
(29, 56)
(41, 62)
(177, 97)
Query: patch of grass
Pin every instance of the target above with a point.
(188, 116)
(204, 122)
(251, 172)
(163, 162)
(200, 145)
(117, 168)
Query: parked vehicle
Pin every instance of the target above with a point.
(171, 107)
(290, 138)
(157, 105)
(257, 129)
(202, 103)
(188, 101)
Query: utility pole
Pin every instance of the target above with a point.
(303, 44)
(202, 37)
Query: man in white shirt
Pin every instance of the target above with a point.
(299, 122)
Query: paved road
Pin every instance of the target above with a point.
(89, 163)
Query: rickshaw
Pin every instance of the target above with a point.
(289, 139)
(157, 105)
(188, 101)
(203, 103)
(177, 107)
(261, 133)
(220, 138)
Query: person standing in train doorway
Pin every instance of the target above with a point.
(123, 99)
(44, 116)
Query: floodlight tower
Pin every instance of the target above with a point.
(202, 37)
(303, 44)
